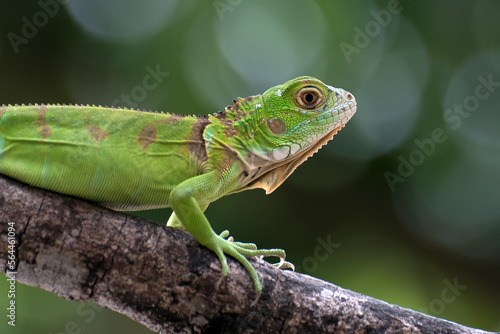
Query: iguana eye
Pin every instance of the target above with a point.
(309, 97)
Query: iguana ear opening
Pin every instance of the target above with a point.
(276, 126)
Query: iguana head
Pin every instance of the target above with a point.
(290, 123)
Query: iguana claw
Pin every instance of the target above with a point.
(240, 251)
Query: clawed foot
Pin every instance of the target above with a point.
(223, 244)
(284, 264)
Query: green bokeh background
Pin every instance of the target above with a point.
(426, 76)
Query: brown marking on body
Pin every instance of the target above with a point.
(41, 122)
(97, 133)
(229, 130)
(196, 140)
(222, 116)
(170, 120)
(146, 137)
(240, 109)
(148, 134)
(3, 110)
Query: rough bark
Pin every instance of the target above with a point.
(162, 278)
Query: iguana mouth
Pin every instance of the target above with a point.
(347, 109)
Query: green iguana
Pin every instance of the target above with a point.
(130, 160)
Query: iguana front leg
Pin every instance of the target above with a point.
(185, 198)
(175, 222)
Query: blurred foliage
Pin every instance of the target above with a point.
(403, 205)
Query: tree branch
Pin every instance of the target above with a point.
(162, 278)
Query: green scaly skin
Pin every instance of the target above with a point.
(135, 160)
